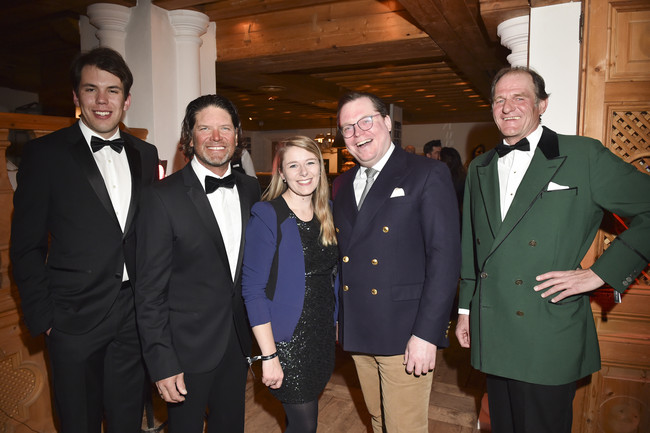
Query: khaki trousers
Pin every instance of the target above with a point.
(405, 397)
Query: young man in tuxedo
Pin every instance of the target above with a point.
(73, 247)
(396, 219)
(531, 210)
(195, 335)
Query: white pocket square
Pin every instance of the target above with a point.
(397, 192)
(552, 186)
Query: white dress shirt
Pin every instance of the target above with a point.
(227, 210)
(359, 182)
(114, 168)
(512, 168)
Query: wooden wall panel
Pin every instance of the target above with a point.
(615, 108)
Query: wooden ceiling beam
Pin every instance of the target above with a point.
(371, 55)
(453, 25)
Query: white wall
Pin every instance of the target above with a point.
(555, 54)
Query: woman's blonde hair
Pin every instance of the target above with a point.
(320, 197)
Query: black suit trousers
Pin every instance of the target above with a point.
(221, 390)
(99, 372)
(521, 407)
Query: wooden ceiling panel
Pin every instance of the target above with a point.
(434, 58)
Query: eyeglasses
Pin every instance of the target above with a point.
(364, 124)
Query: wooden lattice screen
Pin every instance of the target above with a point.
(629, 138)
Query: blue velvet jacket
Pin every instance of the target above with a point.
(284, 310)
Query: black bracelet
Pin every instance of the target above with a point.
(252, 359)
(271, 356)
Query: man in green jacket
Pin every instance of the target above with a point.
(531, 210)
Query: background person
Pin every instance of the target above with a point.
(432, 149)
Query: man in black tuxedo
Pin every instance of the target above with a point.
(73, 248)
(193, 326)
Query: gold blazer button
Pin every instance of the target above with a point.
(385, 229)
(346, 288)
(346, 259)
(374, 262)
(373, 291)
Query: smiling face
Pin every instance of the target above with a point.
(101, 99)
(213, 139)
(301, 170)
(515, 108)
(367, 147)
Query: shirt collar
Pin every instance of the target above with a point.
(381, 163)
(533, 139)
(89, 133)
(201, 171)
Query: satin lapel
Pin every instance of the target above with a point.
(488, 180)
(135, 166)
(84, 157)
(200, 200)
(540, 172)
(245, 209)
(387, 180)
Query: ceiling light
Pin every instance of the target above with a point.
(272, 88)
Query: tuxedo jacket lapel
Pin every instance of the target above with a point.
(199, 198)
(84, 157)
(244, 206)
(135, 166)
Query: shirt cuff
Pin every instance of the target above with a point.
(463, 311)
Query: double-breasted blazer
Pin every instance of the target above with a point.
(399, 256)
(515, 333)
(68, 250)
(186, 299)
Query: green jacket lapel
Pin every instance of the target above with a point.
(488, 181)
(545, 164)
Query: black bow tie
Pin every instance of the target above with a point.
(97, 143)
(213, 183)
(504, 149)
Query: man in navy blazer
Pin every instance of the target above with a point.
(396, 217)
(73, 250)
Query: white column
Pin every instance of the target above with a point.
(209, 60)
(111, 21)
(188, 27)
(555, 55)
(514, 36)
